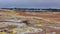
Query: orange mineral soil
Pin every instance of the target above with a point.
(46, 15)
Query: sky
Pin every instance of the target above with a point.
(29, 3)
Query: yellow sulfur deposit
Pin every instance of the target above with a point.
(54, 32)
(13, 31)
(51, 33)
(25, 30)
(2, 32)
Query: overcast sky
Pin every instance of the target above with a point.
(30, 3)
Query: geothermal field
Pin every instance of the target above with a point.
(18, 22)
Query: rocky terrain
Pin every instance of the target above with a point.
(31, 23)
